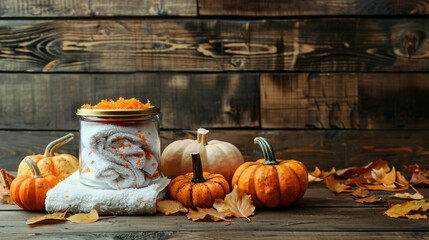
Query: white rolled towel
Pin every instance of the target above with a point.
(122, 157)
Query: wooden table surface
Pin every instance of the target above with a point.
(321, 214)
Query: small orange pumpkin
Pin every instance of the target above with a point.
(198, 189)
(272, 183)
(29, 192)
(60, 165)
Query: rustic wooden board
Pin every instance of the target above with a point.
(223, 234)
(345, 100)
(325, 149)
(124, 45)
(290, 219)
(187, 101)
(99, 8)
(311, 7)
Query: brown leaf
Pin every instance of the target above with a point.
(335, 186)
(56, 217)
(416, 169)
(419, 179)
(381, 188)
(401, 180)
(370, 199)
(403, 209)
(170, 207)
(203, 212)
(236, 203)
(5, 182)
(84, 217)
(360, 193)
(408, 196)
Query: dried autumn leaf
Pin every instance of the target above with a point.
(236, 203)
(401, 180)
(312, 178)
(381, 188)
(370, 199)
(195, 215)
(322, 174)
(416, 216)
(56, 217)
(360, 193)
(84, 217)
(5, 182)
(403, 209)
(170, 207)
(416, 169)
(383, 178)
(203, 212)
(335, 186)
(408, 196)
(419, 179)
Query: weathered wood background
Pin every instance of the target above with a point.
(330, 83)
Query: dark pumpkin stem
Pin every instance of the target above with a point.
(197, 168)
(33, 167)
(52, 146)
(267, 150)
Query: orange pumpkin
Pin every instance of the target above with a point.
(198, 189)
(271, 183)
(60, 165)
(29, 192)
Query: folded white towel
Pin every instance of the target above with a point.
(81, 198)
(122, 157)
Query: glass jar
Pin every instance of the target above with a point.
(119, 148)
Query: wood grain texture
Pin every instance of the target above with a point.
(99, 8)
(187, 101)
(325, 149)
(311, 7)
(358, 45)
(345, 100)
(309, 100)
(282, 220)
(225, 234)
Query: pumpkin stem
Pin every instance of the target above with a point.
(52, 146)
(33, 167)
(202, 136)
(197, 168)
(267, 150)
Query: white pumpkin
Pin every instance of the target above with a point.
(216, 156)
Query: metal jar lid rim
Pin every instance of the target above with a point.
(152, 110)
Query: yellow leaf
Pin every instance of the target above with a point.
(321, 174)
(170, 207)
(400, 210)
(408, 196)
(312, 178)
(236, 203)
(84, 217)
(416, 216)
(335, 186)
(195, 215)
(203, 212)
(370, 199)
(49, 218)
(361, 193)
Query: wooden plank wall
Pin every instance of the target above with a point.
(330, 83)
